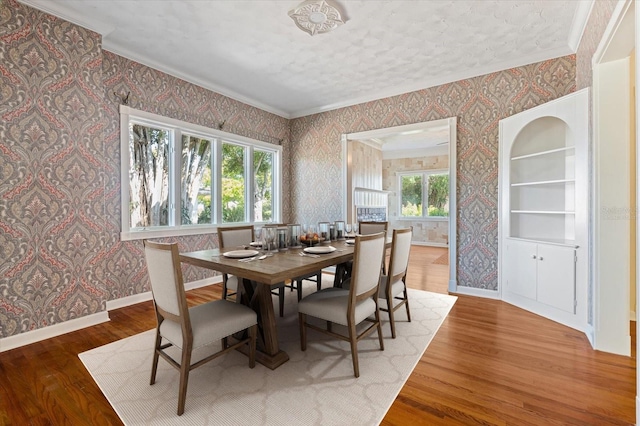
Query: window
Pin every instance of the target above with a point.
(180, 179)
(424, 188)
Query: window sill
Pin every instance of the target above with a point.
(173, 231)
(423, 219)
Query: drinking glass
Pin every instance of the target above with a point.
(355, 227)
(340, 229)
(269, 239)
(347, 228)
(295, 232)
(323, 231)
(283, 238)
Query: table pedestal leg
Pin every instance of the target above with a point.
(258, 298)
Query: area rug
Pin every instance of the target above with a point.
(442, 260)
(315, 387)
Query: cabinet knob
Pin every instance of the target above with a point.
(541, 258)
(533, 256)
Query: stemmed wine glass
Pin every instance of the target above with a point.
(347, 228)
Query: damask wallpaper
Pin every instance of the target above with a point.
(61, 255)
(478, 103)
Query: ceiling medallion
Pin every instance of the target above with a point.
(316, 16)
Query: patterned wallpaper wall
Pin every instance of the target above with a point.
(478, 103)
(424, 231)
(61, 255)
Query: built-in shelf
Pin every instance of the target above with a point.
(554, 241)
(545, 182)
(539, 153)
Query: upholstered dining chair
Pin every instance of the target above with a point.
(236, 236)
(187, 328)
(241, 236)
(368, 227)
(349, 307)
(393, 288)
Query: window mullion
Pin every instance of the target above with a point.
(175, 168)
(250, 186)
(217, 181)
(425, 195)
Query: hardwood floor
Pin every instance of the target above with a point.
(490, 363)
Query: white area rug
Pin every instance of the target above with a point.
(315, 387)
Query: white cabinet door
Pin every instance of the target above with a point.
(557, 277)
(520, 268)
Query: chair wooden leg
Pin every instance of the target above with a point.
(392, 320)
(156, 355)
(302, 318)
(353, 340)
(281, 300)
(406, 304)
(319, 281)
(380, 339)
(224, 287)
(253, 334)
(299, 289)
(184, 379)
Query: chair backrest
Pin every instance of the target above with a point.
(367, 257)
(399, 257)
(167, 286)
(235, 236)
(366, 228)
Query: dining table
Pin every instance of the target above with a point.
(256, 279)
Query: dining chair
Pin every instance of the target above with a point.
(393, 286)
(370, 227)
(349, 307)
(242, 236)
(236, 236)
(193, 328)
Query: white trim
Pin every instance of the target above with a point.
(452, 123)
(69, 326)
(580, 19)
(478, 292)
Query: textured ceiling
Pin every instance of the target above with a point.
(252, 50)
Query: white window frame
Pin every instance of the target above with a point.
(425, 194)
(177, 128)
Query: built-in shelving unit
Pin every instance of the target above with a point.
(543, 207)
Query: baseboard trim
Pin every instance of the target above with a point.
(55, 330)
(479, 292)
(589, 332)
(429, 244)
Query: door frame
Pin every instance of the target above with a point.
(452, 228)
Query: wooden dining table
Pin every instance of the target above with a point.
(259, 277)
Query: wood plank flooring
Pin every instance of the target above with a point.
(489, 364)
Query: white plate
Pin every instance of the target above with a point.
(349, 242)
(240, 254)
(319, 249)
(256, 244)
